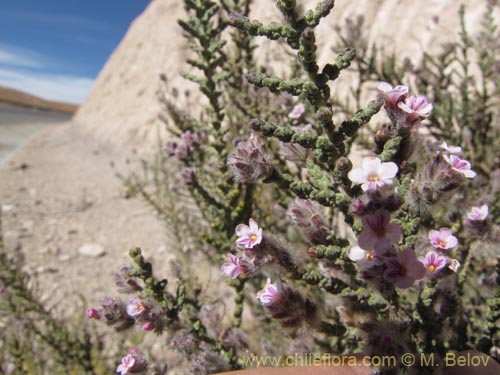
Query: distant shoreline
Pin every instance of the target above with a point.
(19, 123)
(23, 99)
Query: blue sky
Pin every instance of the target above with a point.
(56, 48)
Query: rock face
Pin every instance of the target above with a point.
(122, 106)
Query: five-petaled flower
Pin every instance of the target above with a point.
(460, 165)
(373, 174)
(126, 365)
(136, 307)
(378, 234)
(233, 268)
(416, 108)
(271, 294)
(478, 213)
(365, 258)
(248, 235)
(433, 263)
(442, 239)
(404, 269)
(297, 111)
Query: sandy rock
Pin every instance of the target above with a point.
(123, 97)
(92, 250)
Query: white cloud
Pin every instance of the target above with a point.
(65, 88)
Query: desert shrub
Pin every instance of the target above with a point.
(389, 253)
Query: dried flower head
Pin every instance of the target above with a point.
(307, 214)
(250, 161)
(373, 174)
(295, 313)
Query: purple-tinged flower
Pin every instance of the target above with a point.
(298, 111)
(93, 314)
(126, 365)
(233, 268)
(404, 269)
(365, 259)
(378, 234)
(392, 96)
(373, 174)
(248, 235)
(133, 363)
(136, 307)
(416, 108)
(443, 147)
(433, 263)
(454, 265)
(442, 239)
(250, 161)
(271, 294)
(460, 165)
(478, 213)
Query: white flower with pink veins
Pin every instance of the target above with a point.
(373, 174)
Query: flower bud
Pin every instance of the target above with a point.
(249, 161)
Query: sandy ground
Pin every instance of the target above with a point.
(58, 193)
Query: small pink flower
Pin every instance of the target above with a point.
(127, 364)
(136, 307)
(297, 111)
(416, 108)
(478, 213)
(392, 96)
(378, 233)
(248, 236)
(233, 268)
(433, 263)
(442, 239)
(460, 165)
(93, 314)
(443, 147)
(373, 174)
(404, 269)
(271, 294)
(365, 259)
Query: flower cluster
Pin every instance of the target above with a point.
(184, 149)
(250, 161)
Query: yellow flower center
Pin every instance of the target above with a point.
(253, 237)
(373, 178)
(369, 257)
(442, 243)
(403, 271)
(431, 267)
